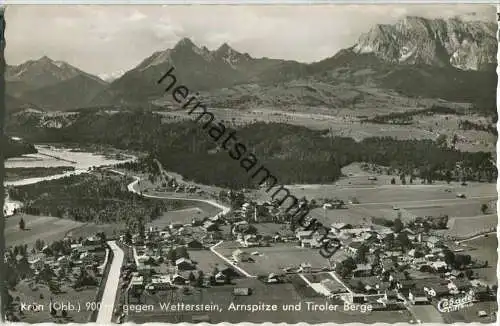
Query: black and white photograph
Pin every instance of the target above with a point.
(248, 163)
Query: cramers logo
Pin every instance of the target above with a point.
(454, 304)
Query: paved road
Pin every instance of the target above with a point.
(105, 313)
(131, 187)
(477, 236)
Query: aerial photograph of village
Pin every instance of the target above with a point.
(227, 164)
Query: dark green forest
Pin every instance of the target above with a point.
(13, 148)
(294, 154)
(99, 198)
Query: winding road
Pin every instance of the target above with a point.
(105, 313)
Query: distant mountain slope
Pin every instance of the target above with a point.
(50, 84)
(363, 81)
(13, 103)
(68, 94)
(41, 72)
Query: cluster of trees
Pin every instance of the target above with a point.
(405, 118)
(196, 281)
(17, 266)
(85, 279)
(459, 261)
(178, 252)
(144, 164)
(469, 125)
(345, 267)
(424, 224)
(285, 150)
(89, 198)
(234, 198)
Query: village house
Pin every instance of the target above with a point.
(37, 261)
(459, 285)
(240, 255)
(250, 240)
(357, 231)
(362, 270)
(143, 259)
(339, 227)
(353, 247)
(310, 243)
(418, 296)
(433, 242)
(242, 291)
(197, 221)
(436, 289)
(63, 261)
(439, 266)
(305, 268)
(272, 278)
(394, 253)
(194, 244)
(177, 279)
(210, 226)
(160, 282)
(92, 240)
(136, 283)
(304, 234)
(220, 278)
(184, 264)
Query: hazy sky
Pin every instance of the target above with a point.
(104, 39)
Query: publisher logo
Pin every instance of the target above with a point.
(454, 304)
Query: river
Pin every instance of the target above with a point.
(51, 156)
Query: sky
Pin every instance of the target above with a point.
(102, 39)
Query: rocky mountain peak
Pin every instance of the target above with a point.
(224, 48)
(466, 45)
(44, 59)
(230, 55)
(184, 43)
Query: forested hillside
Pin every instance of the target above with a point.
(294, 154)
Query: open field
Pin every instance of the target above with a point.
(42, 296)
(485, 248)
(427, 314)
(463, 226)
(37, 227)
(274, 259)
(469, 314)
(183, 216)
(206, 260)
(377, 198)
(49, 229)
(386, 193)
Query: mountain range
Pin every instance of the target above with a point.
(51, 85)
(449, 59)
